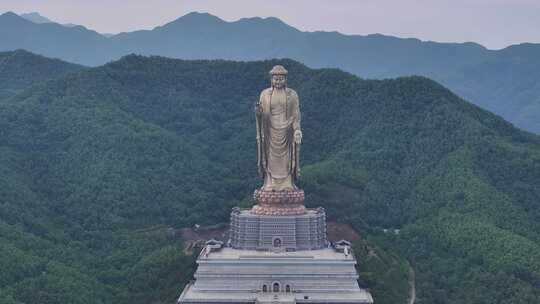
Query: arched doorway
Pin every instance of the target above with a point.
(287, 288)
(277, 242)
(275, 287)
(265, 288)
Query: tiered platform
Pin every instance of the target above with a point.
(277, 253)
(278, 232)
(230, 275)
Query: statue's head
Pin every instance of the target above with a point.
(279, 77)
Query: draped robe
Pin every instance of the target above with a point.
(278, 117)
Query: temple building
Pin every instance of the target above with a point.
(277, 250)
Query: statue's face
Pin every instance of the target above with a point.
(279, 81)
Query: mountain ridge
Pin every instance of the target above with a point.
(36, 17)
(21, 69)
(204, 16)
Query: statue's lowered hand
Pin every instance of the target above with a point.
(297, 136)
(258, 109)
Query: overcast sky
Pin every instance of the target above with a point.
(492, 23)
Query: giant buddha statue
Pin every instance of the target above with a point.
(278, 133)
(278, 148)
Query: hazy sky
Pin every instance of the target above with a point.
(493, 23)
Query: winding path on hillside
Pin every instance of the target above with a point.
(412, 295)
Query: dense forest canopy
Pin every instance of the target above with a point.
(101, 165)
(20, 69)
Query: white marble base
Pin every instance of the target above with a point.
(240, 276)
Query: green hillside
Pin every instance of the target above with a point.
(20, 69)
(99, 167)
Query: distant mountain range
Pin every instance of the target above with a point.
(38, 18)
(505, 81)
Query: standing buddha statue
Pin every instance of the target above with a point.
(278, 148)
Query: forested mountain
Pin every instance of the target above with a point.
(20, 69)
(100, 166)
(505, 81)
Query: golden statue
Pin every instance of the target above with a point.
(278, 134)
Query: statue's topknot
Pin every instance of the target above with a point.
(278, 70)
